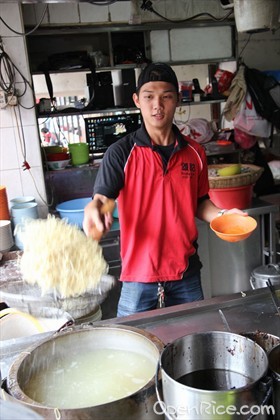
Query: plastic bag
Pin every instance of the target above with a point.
(249, 121)
(198, 129)
(245, 140)
(224, 79)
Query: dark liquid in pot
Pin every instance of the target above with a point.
(214, 380)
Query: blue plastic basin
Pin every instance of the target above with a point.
(73, 210)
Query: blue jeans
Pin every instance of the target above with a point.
(140, 297)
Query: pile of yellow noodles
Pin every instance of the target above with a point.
(60, 258)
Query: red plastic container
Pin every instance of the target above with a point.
(186, 90)
(53, 157)
(236, 197)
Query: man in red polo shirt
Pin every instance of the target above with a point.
(160, 179)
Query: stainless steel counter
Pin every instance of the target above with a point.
(245, 312)
(227, 266)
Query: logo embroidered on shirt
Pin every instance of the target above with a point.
(187, 170)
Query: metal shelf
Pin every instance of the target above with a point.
(90, 112)
(78, 29)
(116, 111)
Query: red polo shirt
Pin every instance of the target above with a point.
(157, 204)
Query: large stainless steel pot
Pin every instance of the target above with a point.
(274, 366)
(86, 339)
(213, 376)
(262, 274)
(265, 340)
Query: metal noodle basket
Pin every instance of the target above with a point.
(28, 298)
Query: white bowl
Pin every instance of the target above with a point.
(16, 324)
(57, 165)
(6, 236)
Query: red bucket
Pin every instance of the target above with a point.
(236, 197)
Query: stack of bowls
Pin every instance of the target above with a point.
(58, 161)
(22, 200)
(47, 150)
(6, 236)
(58, 165)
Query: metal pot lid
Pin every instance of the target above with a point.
(271, 271)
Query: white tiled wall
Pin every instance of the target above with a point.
(19, 139)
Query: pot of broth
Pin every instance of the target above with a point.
(89, 372)
(211, 376)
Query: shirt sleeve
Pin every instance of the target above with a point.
(110, 176)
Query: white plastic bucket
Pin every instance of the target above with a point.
(20, 213)
(23, 211)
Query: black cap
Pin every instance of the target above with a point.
(157, 72)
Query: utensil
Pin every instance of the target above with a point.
(273, 296)
(224, 320)
(107, 207)
(60, 277)
(28, 298)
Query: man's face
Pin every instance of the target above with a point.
(157, 102)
